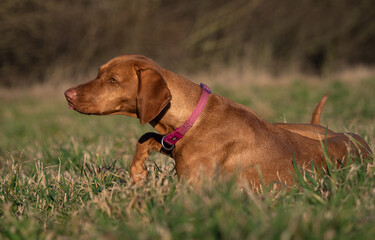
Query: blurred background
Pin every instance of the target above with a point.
(46, 41)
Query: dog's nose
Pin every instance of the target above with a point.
(71, 94)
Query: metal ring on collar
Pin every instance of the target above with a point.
(162, 143)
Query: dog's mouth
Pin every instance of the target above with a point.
(70, 105)
(75, 106)
(85, 108)
(80, 109)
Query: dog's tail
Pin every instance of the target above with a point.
(318, 110)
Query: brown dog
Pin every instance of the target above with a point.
(227, 137)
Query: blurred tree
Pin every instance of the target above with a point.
(39, 37)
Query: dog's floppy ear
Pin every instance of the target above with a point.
(153, 94)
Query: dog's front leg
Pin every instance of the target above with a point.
(146, 144)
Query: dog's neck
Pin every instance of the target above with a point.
(185, 96)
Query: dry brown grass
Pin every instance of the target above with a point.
(64, 175)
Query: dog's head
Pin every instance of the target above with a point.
(131, 85)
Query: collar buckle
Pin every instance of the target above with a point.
(166, 148)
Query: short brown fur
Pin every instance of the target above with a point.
(227, 138)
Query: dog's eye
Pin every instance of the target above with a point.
(112, 80)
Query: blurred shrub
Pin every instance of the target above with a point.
(73, 36)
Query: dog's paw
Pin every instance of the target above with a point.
(139, 177)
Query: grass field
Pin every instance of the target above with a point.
(65, 176)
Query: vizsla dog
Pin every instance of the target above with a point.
(204, 132)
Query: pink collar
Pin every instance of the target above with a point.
(177, 134)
